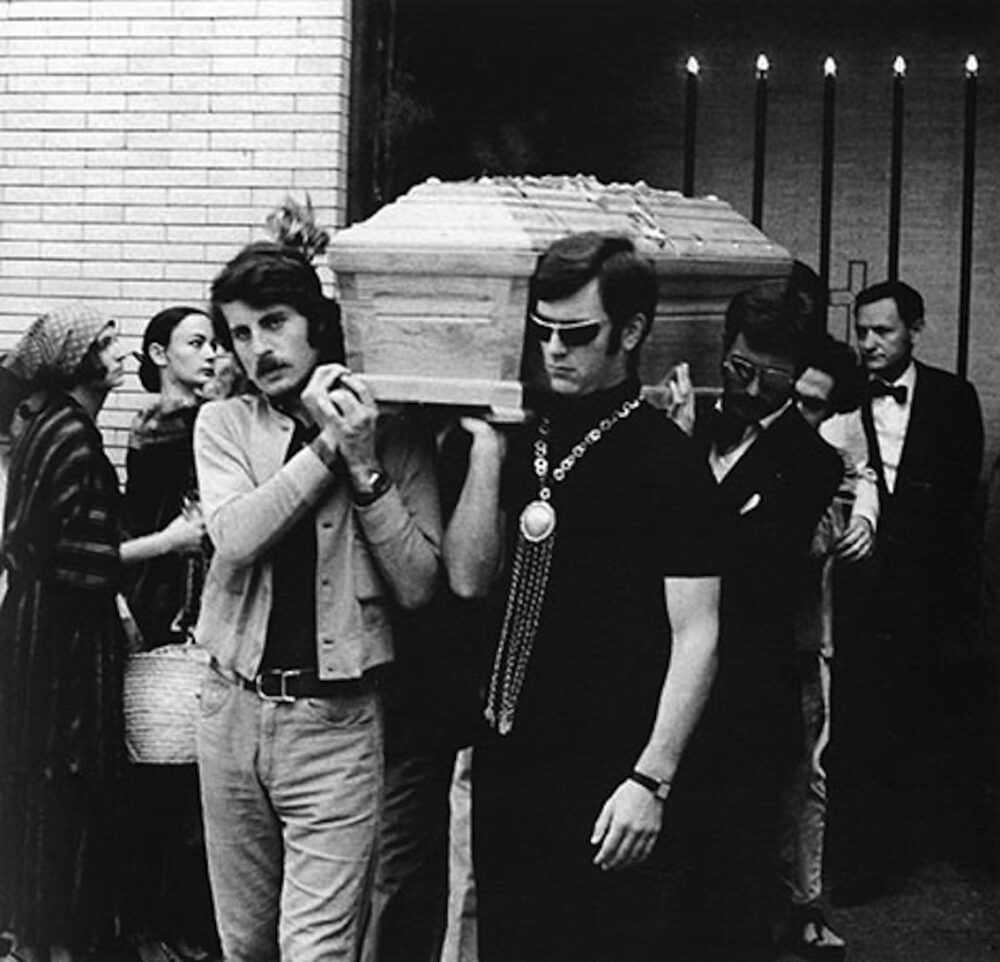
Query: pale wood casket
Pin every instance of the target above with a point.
(434, 286)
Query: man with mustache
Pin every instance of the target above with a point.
(321, 521)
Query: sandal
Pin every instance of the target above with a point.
(810, 936)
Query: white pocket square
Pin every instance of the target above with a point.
(751, 503)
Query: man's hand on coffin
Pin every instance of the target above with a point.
(345, 411)
(486, 439)
(627, 828)
(674, 395)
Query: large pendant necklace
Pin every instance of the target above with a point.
(530, 570)
(538, 519)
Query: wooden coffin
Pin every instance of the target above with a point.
(434, 286)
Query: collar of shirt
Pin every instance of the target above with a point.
(722, 464)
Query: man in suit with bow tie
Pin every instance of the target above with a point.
(776, 477)
(924, 434)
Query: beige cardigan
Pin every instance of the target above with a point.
(366, 556)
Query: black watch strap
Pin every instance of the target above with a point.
(658, 786)
(378, 484)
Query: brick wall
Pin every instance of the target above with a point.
(144, 142)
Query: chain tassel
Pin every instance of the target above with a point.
(530, 575)
(532, 561)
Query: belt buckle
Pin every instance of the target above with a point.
(283, 677)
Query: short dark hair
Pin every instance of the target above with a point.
(158, 331)
(267, 273)
(816, 297)
(841, 362)
(626, 281)
(774, 316)
(909, 303)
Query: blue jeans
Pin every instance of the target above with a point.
(291, 793)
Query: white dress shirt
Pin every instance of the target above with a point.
(847, 434)
(891, 420)
(722, 464)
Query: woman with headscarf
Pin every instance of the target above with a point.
(61, 641)
(171, 901)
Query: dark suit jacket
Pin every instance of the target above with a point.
(773, 498)
(924, 533)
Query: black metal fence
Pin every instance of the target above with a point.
(857, 269)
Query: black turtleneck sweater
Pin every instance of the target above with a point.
(638, 507)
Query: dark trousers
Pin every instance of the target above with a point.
(724, 816)
(886, 755)
(540, 898)
(410, 895)
(167, 893)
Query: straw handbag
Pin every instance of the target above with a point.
(161, 698)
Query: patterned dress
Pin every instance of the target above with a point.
(61, 654)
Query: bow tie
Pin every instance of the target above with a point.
(879, 388)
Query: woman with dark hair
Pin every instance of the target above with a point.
(61, 640)
(168, 888)
(176, 363)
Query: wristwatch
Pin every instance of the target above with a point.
(375, 485)
(658, 786)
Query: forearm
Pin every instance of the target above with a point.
(144, 547)
(403, 531)
(473, 540)
(866, 504)
(688, 681)
(245, 519)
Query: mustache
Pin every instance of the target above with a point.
(267, 364)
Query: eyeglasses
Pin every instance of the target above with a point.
(773, 379)
(571, 333)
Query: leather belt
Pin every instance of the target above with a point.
(289, 684)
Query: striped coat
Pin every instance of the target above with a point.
(61, 653)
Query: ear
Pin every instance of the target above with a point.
(633, 330)
(158, 354)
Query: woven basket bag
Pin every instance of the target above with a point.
(161, 703)
(160, 697)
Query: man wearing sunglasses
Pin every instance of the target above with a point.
(598, 525)
(776, 478)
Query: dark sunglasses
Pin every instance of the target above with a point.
(571, 333)
(771, 378)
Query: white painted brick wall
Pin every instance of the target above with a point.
(145, 141)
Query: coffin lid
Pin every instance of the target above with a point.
(499, 225)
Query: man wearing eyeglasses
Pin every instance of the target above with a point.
(776, 478)
(599, 526)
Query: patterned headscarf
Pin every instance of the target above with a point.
(54, 345)
(56, 342)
